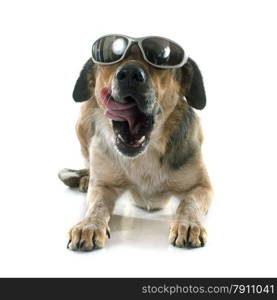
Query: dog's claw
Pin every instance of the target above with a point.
(174, 242)
(68, 244)
(190, 245)
(82, 244)
(108, 233)
(202, 242)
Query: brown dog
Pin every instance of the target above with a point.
(157, 159)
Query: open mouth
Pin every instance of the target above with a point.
(131, 126)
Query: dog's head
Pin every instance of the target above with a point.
(137, 97)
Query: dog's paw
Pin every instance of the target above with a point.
(75, 178)
(83, 185)
(187, 234)
(88, 235)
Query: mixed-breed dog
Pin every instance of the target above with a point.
(139, 133)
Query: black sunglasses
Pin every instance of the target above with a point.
(157, 51)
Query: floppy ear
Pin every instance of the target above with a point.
(195, 91)
(82, 90)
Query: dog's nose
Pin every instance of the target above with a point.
(131, 74)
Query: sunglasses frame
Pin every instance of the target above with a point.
(138, 41)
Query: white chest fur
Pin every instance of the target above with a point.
(145, 171)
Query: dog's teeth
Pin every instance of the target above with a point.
(141, 140)
(120, 137)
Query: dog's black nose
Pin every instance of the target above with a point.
(131, 74)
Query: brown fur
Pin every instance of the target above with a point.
(150, 182)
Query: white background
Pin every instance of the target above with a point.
(43, 47)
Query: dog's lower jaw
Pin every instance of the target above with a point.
(123, 155)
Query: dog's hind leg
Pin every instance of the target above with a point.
(84, 130)
(75, 178)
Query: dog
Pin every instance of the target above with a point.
(139, 133)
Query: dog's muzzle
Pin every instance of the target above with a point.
(130, 105)
(131, 83)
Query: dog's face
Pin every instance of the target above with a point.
(137, 97)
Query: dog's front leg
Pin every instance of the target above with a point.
(186, 228)
(91, 232)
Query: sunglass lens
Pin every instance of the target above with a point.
(109, 49)
(162, 52)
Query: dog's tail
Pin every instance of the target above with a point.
(75, 178)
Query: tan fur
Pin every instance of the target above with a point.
(150, 183)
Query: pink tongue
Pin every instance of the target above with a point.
(117, 111)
